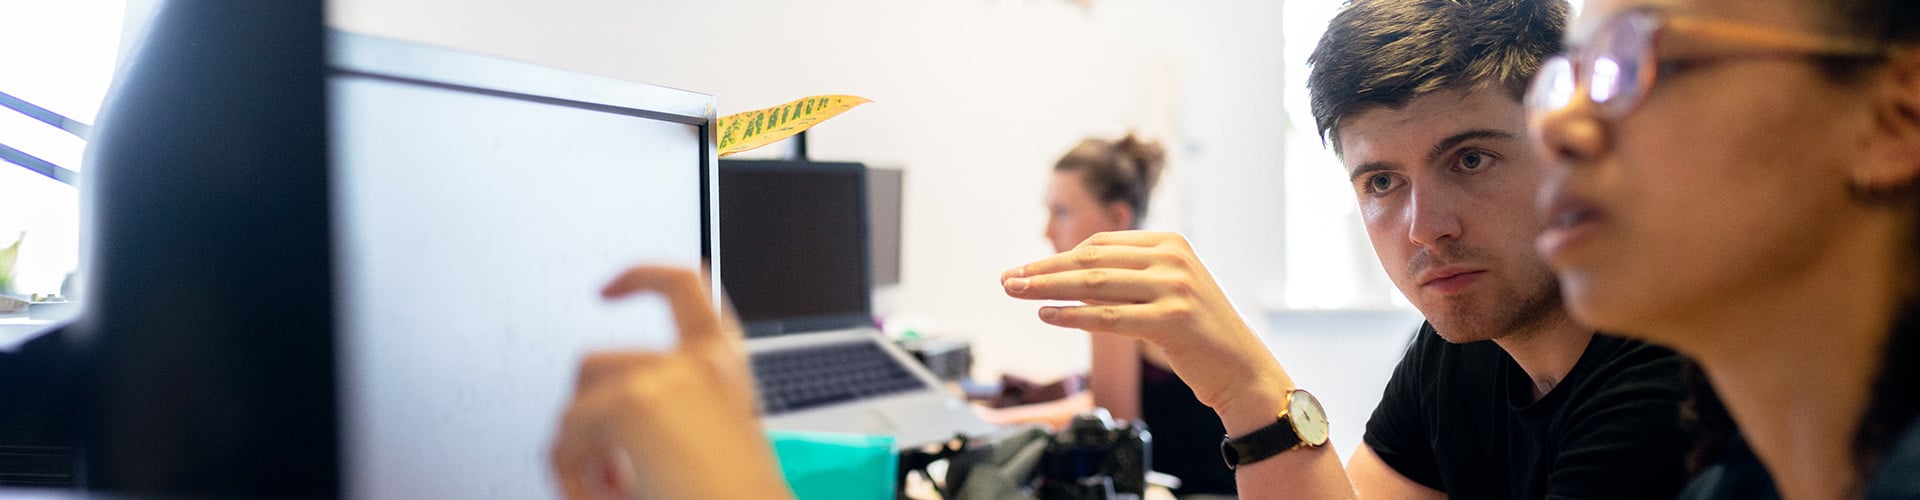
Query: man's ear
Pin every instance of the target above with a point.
(1122, 213)
(1894, 160)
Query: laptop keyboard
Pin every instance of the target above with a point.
(797, 379)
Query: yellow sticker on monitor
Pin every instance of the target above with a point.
(747, 130)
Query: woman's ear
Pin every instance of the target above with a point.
(1894, 163)
(1122, 214)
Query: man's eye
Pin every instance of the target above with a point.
(1473, 161)
(1379, 183)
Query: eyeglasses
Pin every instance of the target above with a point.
(1620, 63)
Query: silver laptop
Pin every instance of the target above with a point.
(794, 260)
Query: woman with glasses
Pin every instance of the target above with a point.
(1740, 184)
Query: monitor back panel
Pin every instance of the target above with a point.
(480, 205)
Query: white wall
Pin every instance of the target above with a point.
(1345, 358)
(974, 99)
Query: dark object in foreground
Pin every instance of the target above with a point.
(1095, 457)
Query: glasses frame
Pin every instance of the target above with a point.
(1648, 26)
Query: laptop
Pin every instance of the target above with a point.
(794, 259)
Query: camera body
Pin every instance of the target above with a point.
(1096, 458)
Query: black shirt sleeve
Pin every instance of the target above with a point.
(1397, 432)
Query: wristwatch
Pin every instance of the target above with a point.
(1301, 424)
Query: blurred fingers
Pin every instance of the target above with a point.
(1135, 320)
(1086, 257)
(1092, 285)
(1133, 238)
(577, 447)
(687, 293)
(596, 369)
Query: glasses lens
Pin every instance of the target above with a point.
(1620, 69)
(1552, 86)
(1606, 79)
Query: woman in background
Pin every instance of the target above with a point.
(1098, 186)
(1741, 183)
(1101, 186)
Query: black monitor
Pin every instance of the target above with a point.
(328, 265)
(794, 242)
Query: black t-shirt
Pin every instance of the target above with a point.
(1460, 418)
(1186, 433)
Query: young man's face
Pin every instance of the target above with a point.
(1446, 186)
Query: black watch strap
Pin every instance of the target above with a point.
(1259, 445)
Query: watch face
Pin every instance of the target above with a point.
(1308, 419)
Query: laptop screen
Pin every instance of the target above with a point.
(793, 245)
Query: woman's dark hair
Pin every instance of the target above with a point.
(1707, 417)
(1123, 170)
(1886, 22)
(1894, 400)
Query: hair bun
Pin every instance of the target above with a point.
(1148, 158)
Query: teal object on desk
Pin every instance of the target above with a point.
(820, 465)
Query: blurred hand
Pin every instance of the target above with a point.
(1151, 286)
(678, 424)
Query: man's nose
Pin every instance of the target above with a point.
(1434, 217)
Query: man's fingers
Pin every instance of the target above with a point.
(1133, 320)
(1106, 286)
(599, 367)
(1086, 257)
(686, 292)
(567, 467)
(652, 278)
(730, 322)
(1132, 238)
(576, 446)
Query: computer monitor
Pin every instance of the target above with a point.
(479, 207)
(794, 239)
(323, 264)
(884, 204)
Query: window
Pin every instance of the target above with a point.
(1330, 263)
(59, 56)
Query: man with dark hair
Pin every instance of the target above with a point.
(1501, 394)
(1386, 53)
